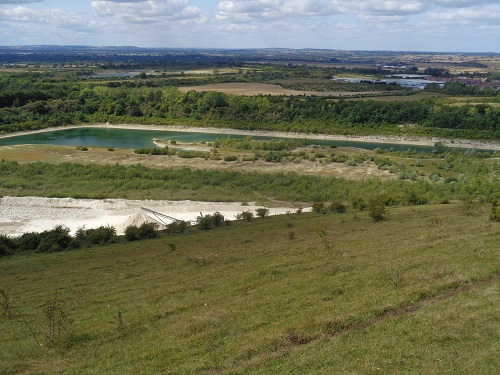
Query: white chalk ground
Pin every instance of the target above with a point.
(19, 215)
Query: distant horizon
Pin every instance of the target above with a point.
(459, 26)
(241, 48)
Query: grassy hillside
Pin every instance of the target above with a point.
(323, 294)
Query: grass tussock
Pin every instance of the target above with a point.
(409, 294)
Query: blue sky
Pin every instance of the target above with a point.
(411, 25)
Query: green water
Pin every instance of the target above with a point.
(136, 138)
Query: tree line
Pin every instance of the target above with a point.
(31, 102)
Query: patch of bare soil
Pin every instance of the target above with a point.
(19, 215)
(263, 89)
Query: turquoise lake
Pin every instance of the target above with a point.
(137, 138)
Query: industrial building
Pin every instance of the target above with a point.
(416, 82)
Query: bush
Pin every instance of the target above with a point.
(55, 240)
(319, 208)
(177, 226)
(148, 230)
(28, 242)
(218, 219)
(358, 203)
(495, 213)
(337, 207)
(183, 225)
(205, 222)
(7, 245)
(376, 210)
(132, 233)
(245, 215)
(142, 232)
(97, 236)
(210, 221)
(231, 158)
(262, 212)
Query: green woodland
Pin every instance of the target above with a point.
(38, 100)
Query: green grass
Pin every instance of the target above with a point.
(417, 293)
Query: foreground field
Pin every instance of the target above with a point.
(323, 294)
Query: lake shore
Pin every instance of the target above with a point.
(417, 141)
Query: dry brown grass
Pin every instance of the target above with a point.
(99, 155)
(403, 98)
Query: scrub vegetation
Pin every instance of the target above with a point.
(418, 179)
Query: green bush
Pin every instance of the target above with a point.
(210, 221)
(148, 230)
(55, 240)
(97, 236)
(337, 207)
(142, 232)
(7, 245)
(245, 215)
(262, 212)
(495, 213)
(132, 233)
(377, 210)
(319, 208)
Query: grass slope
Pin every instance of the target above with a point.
(322, 294)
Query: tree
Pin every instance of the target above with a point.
(262, 212)
(245, 215)
(205, 222)
(218, 219)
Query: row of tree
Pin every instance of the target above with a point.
(27, 103)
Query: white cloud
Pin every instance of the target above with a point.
(55, 17)
(146, 11)
(348, 24)
(392, 10)
(388, 8)
(244, 10)
(461, 3)
(19, 1)
(487, 15)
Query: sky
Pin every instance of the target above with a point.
(397, 25)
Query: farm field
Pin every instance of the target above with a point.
(263, 89)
